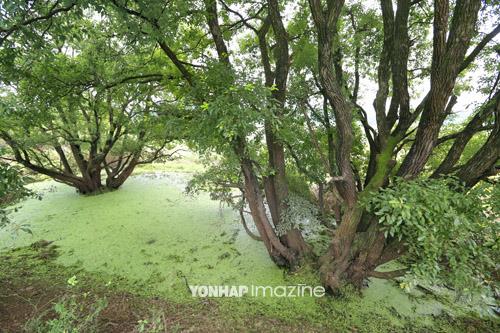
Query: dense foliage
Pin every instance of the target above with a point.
(87, 107)
(12, 190)
(445, 229)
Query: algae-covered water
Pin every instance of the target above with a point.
(149, 231)
(147, 227)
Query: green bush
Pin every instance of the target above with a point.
(12, 190)
(449, 236)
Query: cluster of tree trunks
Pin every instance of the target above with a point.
(290, 248)
(84, 174)
(358, 246)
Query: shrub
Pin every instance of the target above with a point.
(449, 236)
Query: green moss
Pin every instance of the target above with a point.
(383, 161)
(112, 232)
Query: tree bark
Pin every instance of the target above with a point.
(448, 55)
(276, 186)
(456, 150)
(278, 252)
(113, 182)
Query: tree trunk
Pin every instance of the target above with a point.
(91, 183)
(354, 255)
(84, 185)
(278, 252)
(335, 263)
(114, 181)
(321, 200)
(276, 188)
(352, 258)
(89, 187)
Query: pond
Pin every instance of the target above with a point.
(152, 232)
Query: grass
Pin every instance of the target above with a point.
(148, 238)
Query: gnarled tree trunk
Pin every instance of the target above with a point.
(278, 252)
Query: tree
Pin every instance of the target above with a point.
(72, 117)
(219, 88)
(348, 258)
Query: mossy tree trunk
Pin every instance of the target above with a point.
(357, 249)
